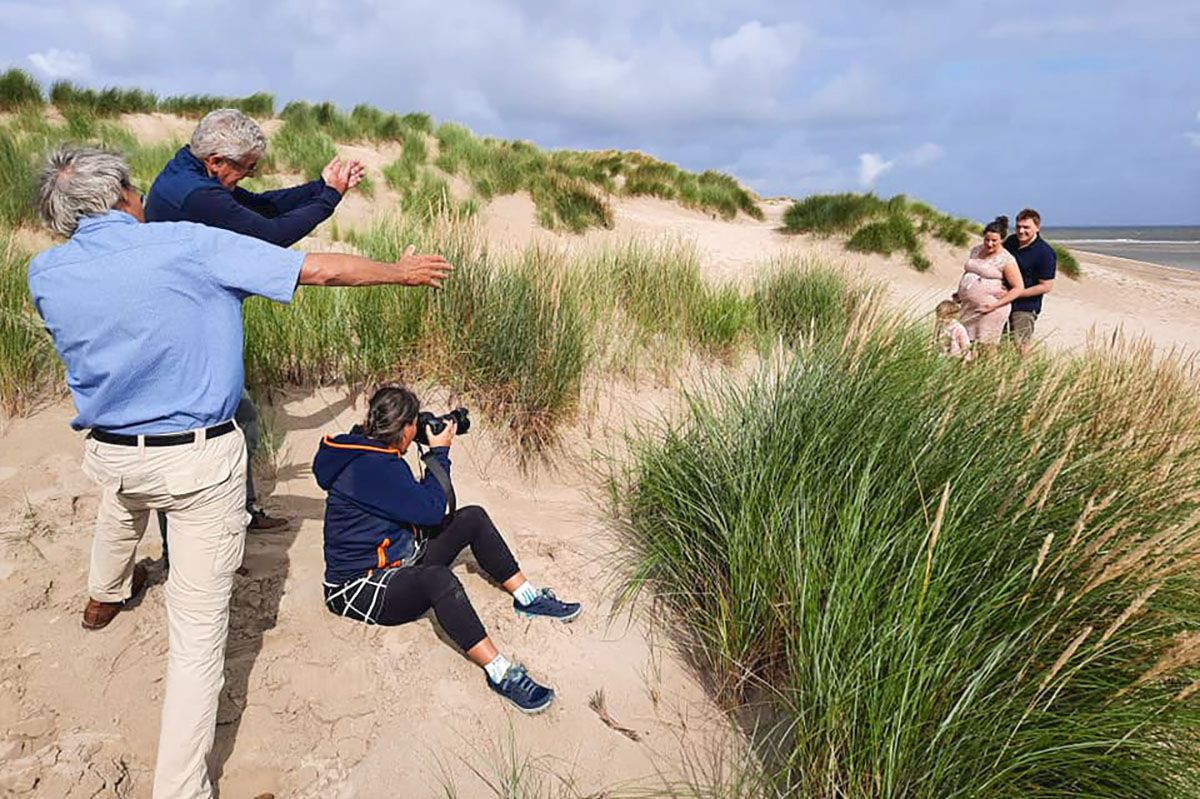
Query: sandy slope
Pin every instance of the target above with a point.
(318, 706)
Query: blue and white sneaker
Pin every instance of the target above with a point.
(550, 606)
(521, 690)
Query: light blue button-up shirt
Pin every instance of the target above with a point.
(147, 318)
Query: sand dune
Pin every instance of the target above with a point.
(318, 706)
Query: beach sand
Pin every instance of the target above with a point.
(317, 706)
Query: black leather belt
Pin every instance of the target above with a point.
(168, 440)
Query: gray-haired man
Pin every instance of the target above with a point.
(200, 185)
(148, 322)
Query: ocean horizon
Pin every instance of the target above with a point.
(1165, 245)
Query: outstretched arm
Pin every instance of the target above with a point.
(272, 204)
(218, 208)
(337, 178)
(343, 269)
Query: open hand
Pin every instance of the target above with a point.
(343, 175)
(423, 270)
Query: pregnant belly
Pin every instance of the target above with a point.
(974, 290)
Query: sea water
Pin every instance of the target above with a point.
(1177, 246)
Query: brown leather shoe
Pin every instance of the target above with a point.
(97, 615)
(259, 521)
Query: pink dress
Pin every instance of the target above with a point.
(983, 279)
(956, 342)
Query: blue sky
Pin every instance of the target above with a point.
(1088, 111)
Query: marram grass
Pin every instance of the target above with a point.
(29, 367)
(946, 580)
(876, 225)
(520, 333)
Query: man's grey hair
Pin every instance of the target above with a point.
(228, 133)
(78, 182)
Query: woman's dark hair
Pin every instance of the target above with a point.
(391, 409)
(997, 225)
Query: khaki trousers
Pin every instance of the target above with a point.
(202, 488)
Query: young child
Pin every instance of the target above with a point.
(952, 336)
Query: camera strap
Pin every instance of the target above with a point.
(439, 474)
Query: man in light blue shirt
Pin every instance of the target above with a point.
(149, 318)
(148, 322)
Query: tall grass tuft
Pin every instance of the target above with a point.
(1067, 263)
(827, 214)
(16, 181)
(946, 582)
(29, 367)
(570, 203)
(259, 104)
(105, 102)
(792, 303)
(428, 197)
(885, 236)
(19, 90)
(363, 123)
(570, 187)
(304, 148)
(710, 191)
(876, 225)
(892, 233)
(520, 333)
(146, 161)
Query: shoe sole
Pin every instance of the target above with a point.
(94, 627)
(564, 619)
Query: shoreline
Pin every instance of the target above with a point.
(1121, 262)
(1092, 254)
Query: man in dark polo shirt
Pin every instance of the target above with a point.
(1037, 262)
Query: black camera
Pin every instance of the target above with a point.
(426, 421)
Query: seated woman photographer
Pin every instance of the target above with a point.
(388, 545)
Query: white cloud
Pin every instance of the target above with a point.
(1194, 138)
(62, 64)
(665, 79)
(758, 47)
(924, 155)
(870, 167)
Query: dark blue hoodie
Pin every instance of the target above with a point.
(373, 503)
(184, 192)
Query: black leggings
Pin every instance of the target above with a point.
(430, 583)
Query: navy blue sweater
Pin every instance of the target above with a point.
(373, 503)
(184, 192)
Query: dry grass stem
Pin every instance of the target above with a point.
(1065, 657)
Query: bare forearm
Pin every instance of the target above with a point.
(1007, 297)
(1034, 291)
(343, 269)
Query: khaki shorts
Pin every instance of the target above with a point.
(1020, 326)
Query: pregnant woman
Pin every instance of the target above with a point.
(991, 281)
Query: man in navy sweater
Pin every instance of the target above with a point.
(1038, 264)
(200, 185)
